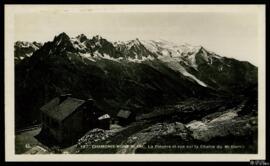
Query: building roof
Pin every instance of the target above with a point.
(60, 111)
(123, 114)
(105, 116)
(51, 104)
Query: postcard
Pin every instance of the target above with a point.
(134, 82)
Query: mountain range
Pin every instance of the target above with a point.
(136, 74)
(25, 49)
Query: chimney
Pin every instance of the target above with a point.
(63, 97)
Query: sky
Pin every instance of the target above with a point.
(230, 34)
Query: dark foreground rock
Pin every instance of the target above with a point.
(225, 132)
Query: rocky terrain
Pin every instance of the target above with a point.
(220, 132)
(225, 131)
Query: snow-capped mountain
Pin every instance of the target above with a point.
(25, 49)
(139, 51)
(135, 74)
(185, 59)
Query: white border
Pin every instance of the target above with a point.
(11, 10)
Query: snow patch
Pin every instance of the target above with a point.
(185, 73)
(106, 56)
(220, 68)
(78, 45)
(58, 42)
(88, 56)
(28, 54)
(224, 117)
(177, 67)
(169, 51)
(137, 60)
(192, 61)
(35, 47)
(151, 46)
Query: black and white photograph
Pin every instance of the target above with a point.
(87, 80)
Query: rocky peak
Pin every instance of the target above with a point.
(137, 41)
(97, 38)
(37, 44)
(62, 37)
(60, 43)
(203, 54)
(81, 37)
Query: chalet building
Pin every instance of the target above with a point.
(66, 119)
(104, 121)
(125, 117)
